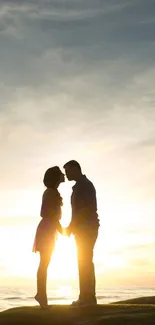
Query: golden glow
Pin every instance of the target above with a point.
(115, 261)
(64, 264)
(64, 291)
(111, 255)
(23, 263)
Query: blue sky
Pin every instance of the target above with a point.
(77, 81)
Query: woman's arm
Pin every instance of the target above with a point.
(43, 211)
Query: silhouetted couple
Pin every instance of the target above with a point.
(84, 225)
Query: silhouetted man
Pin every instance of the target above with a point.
(84, 225)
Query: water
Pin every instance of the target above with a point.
(17, 297)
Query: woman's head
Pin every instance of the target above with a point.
(53, 177)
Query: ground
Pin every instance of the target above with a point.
(140, 311)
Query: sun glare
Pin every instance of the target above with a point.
(23, 263)
(115, 261)
(64, 263)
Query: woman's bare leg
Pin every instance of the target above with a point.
(41, 295)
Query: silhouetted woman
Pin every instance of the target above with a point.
(47, 229)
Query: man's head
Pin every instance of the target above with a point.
(73, 170)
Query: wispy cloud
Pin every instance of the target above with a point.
(69, 9)
(61, 81)
(142, 263)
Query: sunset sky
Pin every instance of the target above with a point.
(77, 81)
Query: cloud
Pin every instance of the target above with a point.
(74, 69)
(136, 248)
(67, 9)
(45, 51)
(142, 262)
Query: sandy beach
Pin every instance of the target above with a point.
(140, 311)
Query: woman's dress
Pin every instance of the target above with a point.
(48, 226)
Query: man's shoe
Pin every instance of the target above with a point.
(82, 303)
(76, 303)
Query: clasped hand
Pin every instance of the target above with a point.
(66, 231)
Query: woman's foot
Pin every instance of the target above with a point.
(42, 302)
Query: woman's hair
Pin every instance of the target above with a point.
(52, 177)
